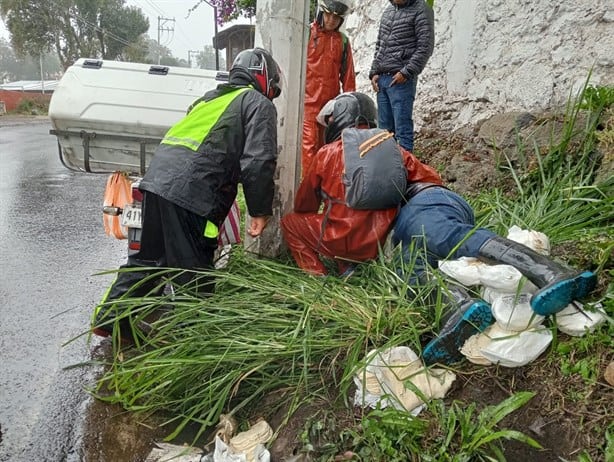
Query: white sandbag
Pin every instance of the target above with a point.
(515, 349)
(391, 369)
(532, 239)
(513, 312)
(164, 452)
(573, 322)
(368, 390)
(490, 295)
(432, 384)
(472, 348)
(463, 270)
(224, 453)
(247, 446)
(503, 278)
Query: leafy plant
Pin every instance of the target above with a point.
(559, 197)
(597, 97)
(450, 433)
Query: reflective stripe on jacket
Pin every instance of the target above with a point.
(228, 137)
(346, 232)
(191, 131)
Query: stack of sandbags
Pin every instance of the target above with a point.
(518, 335)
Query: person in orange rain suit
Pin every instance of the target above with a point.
(330, 66)
(340, 232)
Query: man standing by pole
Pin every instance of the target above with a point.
(330, 68)
(404, 45)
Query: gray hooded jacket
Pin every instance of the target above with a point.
(405, 40)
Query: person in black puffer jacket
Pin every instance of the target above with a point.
(404, 44)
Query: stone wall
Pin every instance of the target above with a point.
(496, 56)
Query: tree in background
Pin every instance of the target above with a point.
(166, 56)
(206, 59)
(29, 68)
(73, 28)
(229, 10)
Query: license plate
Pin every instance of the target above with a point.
(131, 216)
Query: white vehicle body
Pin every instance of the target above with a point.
(110, 116)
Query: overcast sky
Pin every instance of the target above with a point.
(191, 33)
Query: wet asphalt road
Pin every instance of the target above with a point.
(52, 243)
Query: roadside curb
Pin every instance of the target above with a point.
(11, 120)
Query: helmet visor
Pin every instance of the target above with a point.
(324, 115)
(338, 7)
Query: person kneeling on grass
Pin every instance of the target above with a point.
(431, 217)
(338, 231)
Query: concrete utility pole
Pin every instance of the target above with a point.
(40, 58)
(217, 53)
(161, 28)
(282, 28)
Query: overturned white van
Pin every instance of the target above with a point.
(111, 115)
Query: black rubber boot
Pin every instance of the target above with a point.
(468, 316)
(559, 284)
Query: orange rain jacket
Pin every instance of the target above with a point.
(328, 70)
(339, 231)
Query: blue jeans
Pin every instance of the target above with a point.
(395, 106)
(434, 225)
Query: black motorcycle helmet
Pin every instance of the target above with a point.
(336, 7)
(258, 67)
(347, 110)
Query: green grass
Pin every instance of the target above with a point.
(270, 328)
(460, 433)
(267, 327)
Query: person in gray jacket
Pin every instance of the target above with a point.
(404, 45)
(229, 136)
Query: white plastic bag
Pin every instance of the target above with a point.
(573, 322)
(223, 453)
(472, 348)
(514, 313)
(464, 270)
(471, 272)
(502, 278)
(164, 452)
(532, 239)
(247, 446)
(515, 349)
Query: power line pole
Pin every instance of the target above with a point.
(162, 28)
(285, 36)
(217, 55)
